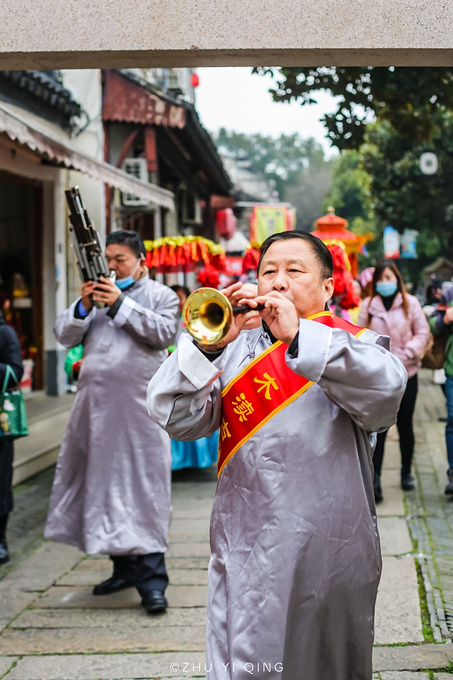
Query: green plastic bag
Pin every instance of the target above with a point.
(13, 416)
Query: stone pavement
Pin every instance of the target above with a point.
(54, 629)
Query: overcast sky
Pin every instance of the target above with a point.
(235, 99)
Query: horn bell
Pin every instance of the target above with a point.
(207, 315)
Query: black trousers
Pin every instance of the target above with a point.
(405, 430)
(146, 572)
(6, 477)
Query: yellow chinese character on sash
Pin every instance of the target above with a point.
(266, 384)
(242, 407)
(224, 432)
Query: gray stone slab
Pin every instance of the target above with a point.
(392, 505)
(108, 667)
(190, 527)
(395, 538)
(5, 663)
(184, 508)
(13, 603)
(189, 550)
(43, 568)
(442, 676)
(78, 597)
(398, 606)
(117, 639)
(187, 563)
(412, 657)
(403, 675)
(109, 618)
(91, 578)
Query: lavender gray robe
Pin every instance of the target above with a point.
(111, 492)
(295, 549)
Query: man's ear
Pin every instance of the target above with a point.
(329, 285)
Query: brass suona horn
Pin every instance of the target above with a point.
(207, 315)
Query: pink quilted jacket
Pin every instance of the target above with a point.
(409, 335)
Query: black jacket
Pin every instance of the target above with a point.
(10, 352)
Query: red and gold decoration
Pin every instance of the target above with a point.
(263, 389)
(343, 292)
(332, 230)
(209, 276)
(251, 258)
(183, 253)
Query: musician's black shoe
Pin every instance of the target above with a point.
(154, 602)
(4, 554)
(112, 585)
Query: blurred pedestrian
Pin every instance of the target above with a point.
(392, 311)
(441, 323)
(111, 492)
(10, 355)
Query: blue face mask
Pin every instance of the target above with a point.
(386, 288)
(125, 283)
(129, 280)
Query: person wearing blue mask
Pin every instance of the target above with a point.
(111, 492)
(392, 311)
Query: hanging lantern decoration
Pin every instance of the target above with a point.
(183, 253)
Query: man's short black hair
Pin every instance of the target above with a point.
(123, 237)
(320, 249)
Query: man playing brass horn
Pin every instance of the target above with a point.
(295, 559)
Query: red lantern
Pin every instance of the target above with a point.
(195, 80)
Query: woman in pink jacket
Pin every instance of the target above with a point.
(392, 311)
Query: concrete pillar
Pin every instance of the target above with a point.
(43, 34)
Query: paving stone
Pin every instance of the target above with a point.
(106, 618)
(184, 537)
(189, 550)
(131, 639)
(392, 505)
(187, 563)
(42, 569)
(13, 602)
(412, 657)
(184, 508)
(190, 527)
(5, 663)
(395, 537)
(107, 667)
(398, 616)
(26, 523)
(78, 597)
(403, 675)
(442, 676)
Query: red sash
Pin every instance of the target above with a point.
(263, 389)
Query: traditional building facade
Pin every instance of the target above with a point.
(143, 163)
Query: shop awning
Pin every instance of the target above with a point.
(58, 152)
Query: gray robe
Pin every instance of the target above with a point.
(111, 492)
(295, 559)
